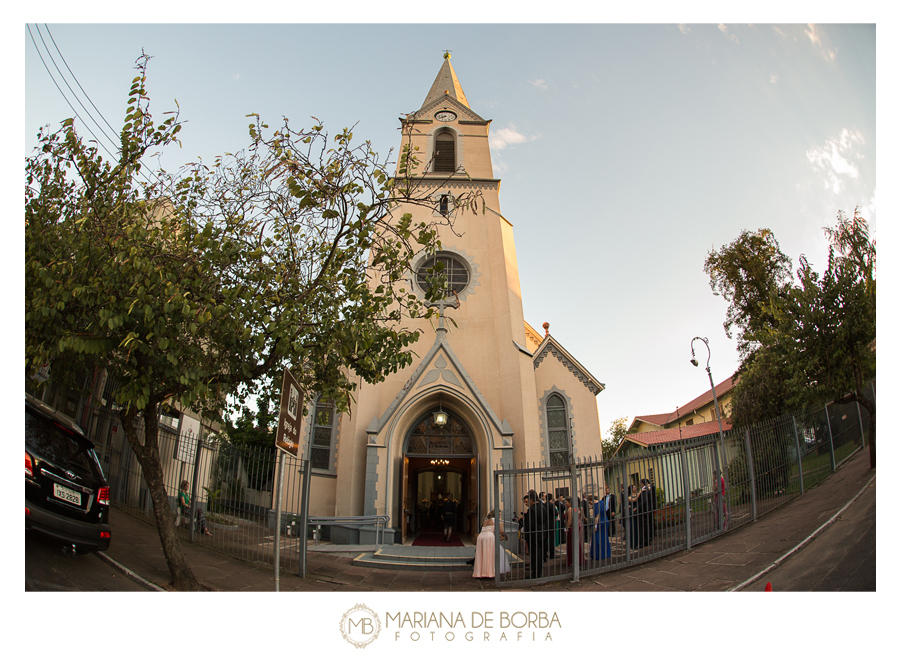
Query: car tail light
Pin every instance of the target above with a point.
(29, 465)
(27, 512)
(103, 496)
(104, 535)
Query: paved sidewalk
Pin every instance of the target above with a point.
(732, 561)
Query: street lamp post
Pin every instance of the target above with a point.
(711, 383)
(719, 484)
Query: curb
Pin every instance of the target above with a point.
(796, 548)
(128, 572)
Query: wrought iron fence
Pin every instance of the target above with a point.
(232, 493)
(558, 526)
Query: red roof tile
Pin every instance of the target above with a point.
(675, 434)
(701, 400)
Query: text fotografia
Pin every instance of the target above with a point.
(479, 626)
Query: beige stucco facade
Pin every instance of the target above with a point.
(488, 369)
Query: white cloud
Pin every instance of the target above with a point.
(500, 139)
(773, 78)
(837, 159)
(724, 30)
(236, 77)
(813, 35)
(539, 83)
(684, 28)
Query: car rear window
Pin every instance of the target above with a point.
(56, 443)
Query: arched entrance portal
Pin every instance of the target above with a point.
(439, 461)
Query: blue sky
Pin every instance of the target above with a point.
(627, 152)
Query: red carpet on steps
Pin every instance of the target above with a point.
(436, 539)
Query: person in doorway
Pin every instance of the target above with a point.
(485, 551)
(448, 512)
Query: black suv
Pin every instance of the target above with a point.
(66, 495)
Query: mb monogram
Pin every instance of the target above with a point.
(360, 626)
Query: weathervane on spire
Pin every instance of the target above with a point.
(447, 54)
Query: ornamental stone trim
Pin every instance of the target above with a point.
(549, 348)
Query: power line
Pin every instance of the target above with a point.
(68, 68)
(68, 102)
(62, 93)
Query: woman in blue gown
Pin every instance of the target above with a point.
(600, 548)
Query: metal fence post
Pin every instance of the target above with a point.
(577, 521)
(862, 431)
(685, 483)
(717, 487)
(194, 478)
(304, 518)
(830, 440)
(498, 521)
(626, 515)
(278, 494)
(751, 473)
(799, 453)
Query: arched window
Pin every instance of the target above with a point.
(558, 431)
(324, 425)
(445, 152)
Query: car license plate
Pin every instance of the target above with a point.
(66, 494)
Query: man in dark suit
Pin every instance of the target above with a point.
(610, 503)
(549, 511)
(645, 510)
(533, 525)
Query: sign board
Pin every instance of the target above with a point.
(188, 435)
(287, 437)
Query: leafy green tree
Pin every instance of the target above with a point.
(825, 327)
(614, 437)
(748, 273)
(802, 342)
(204, 284)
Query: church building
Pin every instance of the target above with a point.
(487, 392)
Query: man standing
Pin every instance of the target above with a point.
(610, 503)
(533, 524)
(645, 509)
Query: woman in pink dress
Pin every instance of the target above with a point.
(573, 518)
(484, 551)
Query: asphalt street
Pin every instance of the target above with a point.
(48, 568)
(840, 559)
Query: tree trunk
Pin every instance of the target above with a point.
(865, 402)
(183, 578)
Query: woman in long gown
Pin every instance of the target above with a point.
(600, 548)
(484, 551)
(633, 525)
(573, 518)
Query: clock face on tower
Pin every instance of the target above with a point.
(445, 115)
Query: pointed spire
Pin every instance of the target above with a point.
(446, 84)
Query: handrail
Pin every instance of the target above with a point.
(379, 520)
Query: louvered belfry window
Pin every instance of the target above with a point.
(444, 152)
(558, 430)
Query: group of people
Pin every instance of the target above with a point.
(641, 506)
(548, 523)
